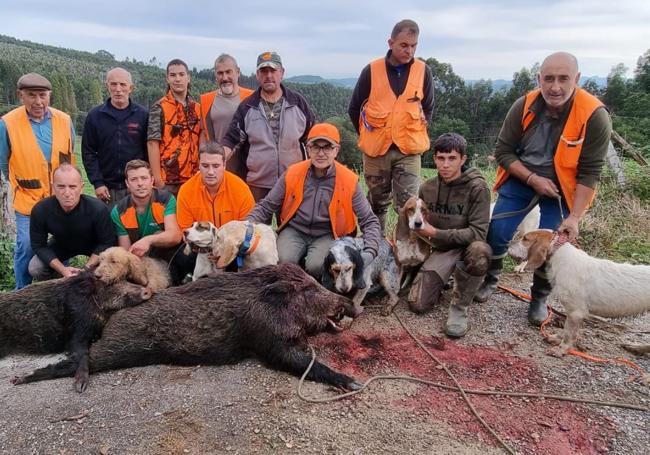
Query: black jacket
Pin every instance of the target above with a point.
(108, 144)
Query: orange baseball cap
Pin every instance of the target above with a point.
(324, 131)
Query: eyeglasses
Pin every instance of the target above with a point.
(325, 149)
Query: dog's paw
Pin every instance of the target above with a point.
(555, 339)
(558, 351)
(17, 380)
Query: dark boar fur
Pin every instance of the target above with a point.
(65, 314)
(266, 312)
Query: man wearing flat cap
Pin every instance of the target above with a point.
(269, 128)
(34, 140)
(318, 200)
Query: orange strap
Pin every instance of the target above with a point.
(256, 241)
(574, 352)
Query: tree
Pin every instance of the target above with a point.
(616, 91)
(642, 72)
(523, 81)
(448, 88)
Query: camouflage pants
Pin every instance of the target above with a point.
(393, 176)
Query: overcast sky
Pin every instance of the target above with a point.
(336, 38)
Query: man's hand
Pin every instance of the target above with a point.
(543, 186)
(141, 247)
(158, 182)
(69, 271)
(426, 230)
(102, 193)
(570, 228)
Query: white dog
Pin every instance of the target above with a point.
(584, 284)
(200, 238)
(251, 244)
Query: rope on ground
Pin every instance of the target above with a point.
(457, 388)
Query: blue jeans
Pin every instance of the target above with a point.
(513, 196)
(23, 252)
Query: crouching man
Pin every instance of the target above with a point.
(145, 220)
(458, 200)
(318, 200)
(78, 225)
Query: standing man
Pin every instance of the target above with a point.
(319, 200)
(145, 220)
(34, 139)
(269, 129)
(75, 224)
(391, 106)
(218, 107)
(114, 134)
(458, 202)
(551, 150)
(174, 131)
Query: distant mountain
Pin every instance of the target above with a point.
(348, 82)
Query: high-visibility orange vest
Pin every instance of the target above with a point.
(569, 147)
(30, 175)
(128, 215)
(342, 216)
(206, 104)
(179, 145)
(386, 119)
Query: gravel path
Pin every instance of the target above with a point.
(247, 408)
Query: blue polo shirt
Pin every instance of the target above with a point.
(43, 132)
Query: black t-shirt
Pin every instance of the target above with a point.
(86, 229)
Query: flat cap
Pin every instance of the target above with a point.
(33, 81)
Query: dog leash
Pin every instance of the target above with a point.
(574, 352)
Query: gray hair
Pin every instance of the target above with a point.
(223, 57)
(406, 25)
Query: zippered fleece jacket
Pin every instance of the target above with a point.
(252, 141)
(459, 210)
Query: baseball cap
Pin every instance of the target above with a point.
(269, 59)
(324, 131)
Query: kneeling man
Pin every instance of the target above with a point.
(458, 200)
(318, 200)
(145, 220)
(78, 224)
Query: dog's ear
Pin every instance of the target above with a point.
(357, 276)
(137, 270)
(232, 236)
(537, 253)
(327, 279)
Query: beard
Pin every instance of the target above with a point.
(227, 88)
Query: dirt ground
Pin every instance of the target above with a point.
(247, 408)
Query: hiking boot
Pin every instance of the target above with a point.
(541, 289)
(465, 286)
(489, 284)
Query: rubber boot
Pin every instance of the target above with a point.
(465, 286)
(541, 289)
(489, 284)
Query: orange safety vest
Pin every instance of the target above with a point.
(128, 216)
(206, 104)
(386, 119)
(342, 216)
(30, 175)
(179, 145)
(569, 147)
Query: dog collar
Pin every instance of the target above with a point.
(201, 249)
(246, 247)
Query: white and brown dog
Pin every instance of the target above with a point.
(410, 249)
(584, 284)
(200, 239)
(253, 245)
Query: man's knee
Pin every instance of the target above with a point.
(477, 258)
(38, 270)
(425, 292)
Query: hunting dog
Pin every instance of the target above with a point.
(200, 238)
(252, 245)
(584, 284)
(117, 264)
(345, 273)
(410, 249)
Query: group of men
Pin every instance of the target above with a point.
(240, 154)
